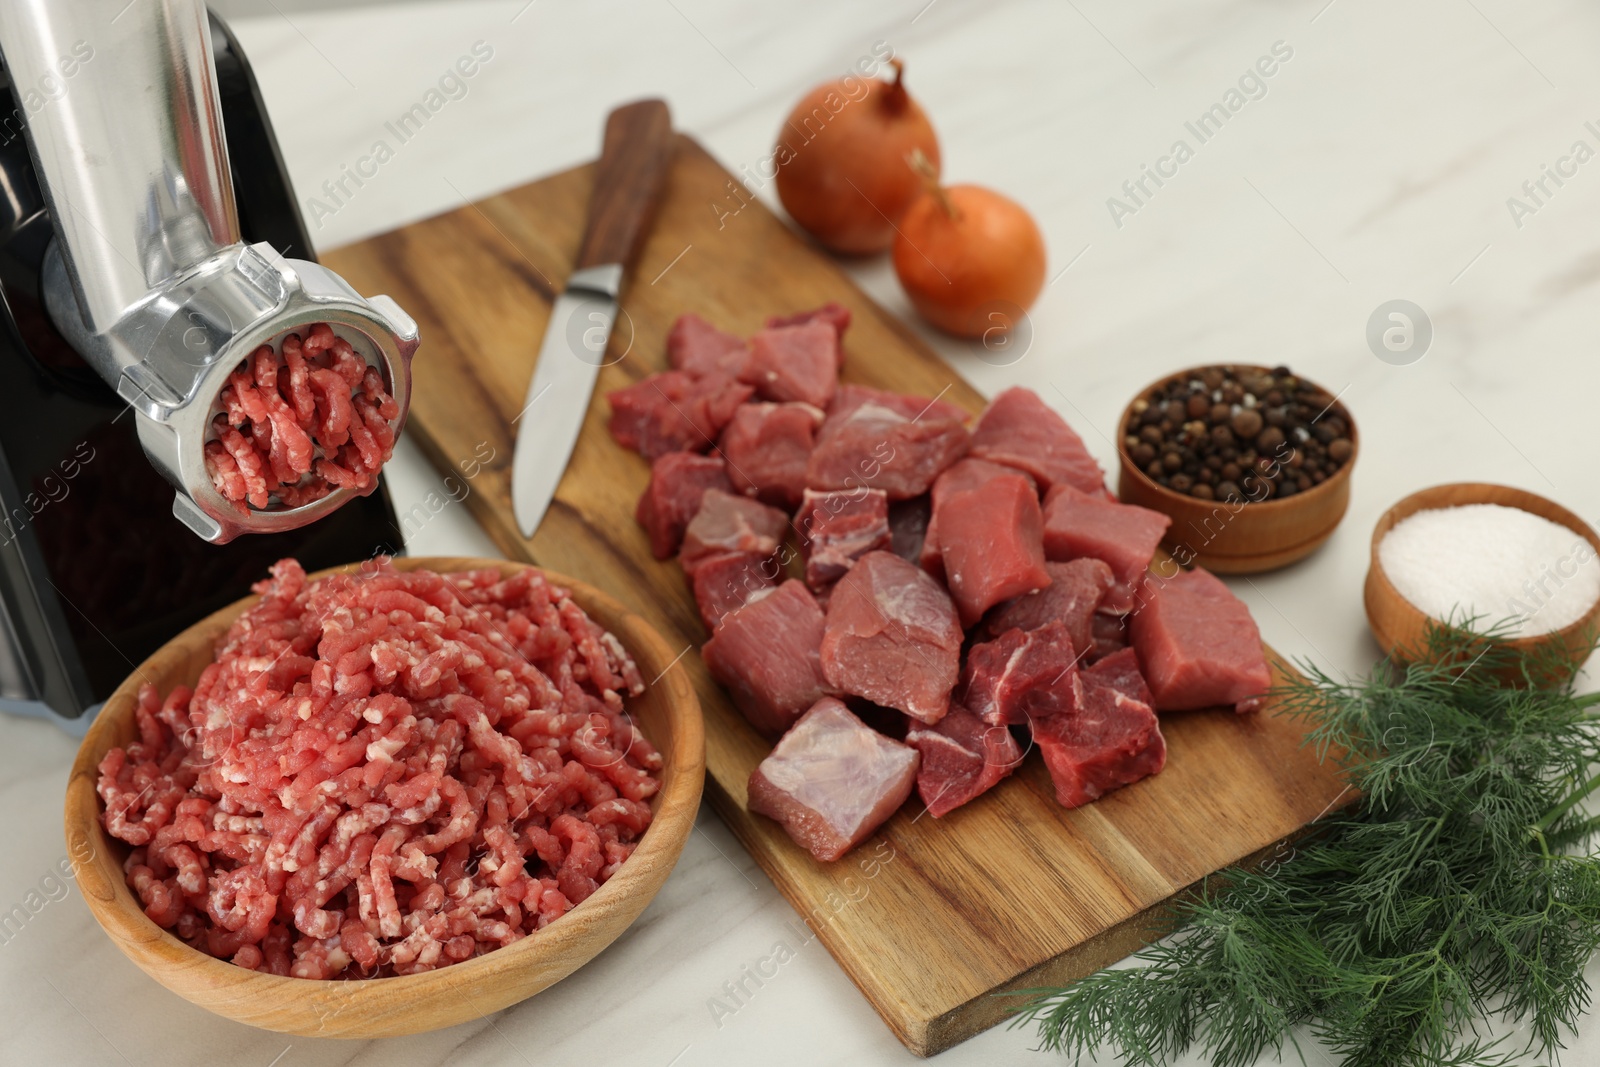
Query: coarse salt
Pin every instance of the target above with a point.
(1506, 568)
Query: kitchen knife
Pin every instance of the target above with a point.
(628, 181)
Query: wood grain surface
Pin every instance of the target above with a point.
(930, 917)
(667, 712)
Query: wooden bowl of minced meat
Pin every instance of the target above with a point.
(387, 798)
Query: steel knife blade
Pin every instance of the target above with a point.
(570, 358)
(577, 342)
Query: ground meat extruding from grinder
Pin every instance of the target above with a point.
(300, 423)
(384, 773)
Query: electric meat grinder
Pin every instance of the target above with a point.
(134, 282)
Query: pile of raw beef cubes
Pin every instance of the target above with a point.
(900, 598)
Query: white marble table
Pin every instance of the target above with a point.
(1377, 165)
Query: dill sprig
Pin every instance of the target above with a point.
(1458, 888)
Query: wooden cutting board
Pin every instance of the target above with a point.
(932, 916)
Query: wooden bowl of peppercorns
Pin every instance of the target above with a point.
(1251, 463)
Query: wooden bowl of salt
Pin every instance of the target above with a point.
(1539, 587)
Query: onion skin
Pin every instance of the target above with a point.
(841, 157)
(970, 259)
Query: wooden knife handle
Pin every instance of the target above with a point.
(627, 183)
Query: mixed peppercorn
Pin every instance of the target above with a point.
(1238, 433)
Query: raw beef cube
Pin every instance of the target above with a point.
(832, 780)
(837, 528)
(1078, 524)
(1120, 671)
(992, 545)
(881, 448)
(1198, 645)
(892, 636)
(725, 583)
(966, 474)
(767, 446)
(696, 346)
(728, 523)
(908, 526)
(1022, 431)
(794, 363)
(850, 397)
(1107, 740)
(678, 480)
(832, 313)
(970, 473)
(1110, 635)
(767, 656)
(636, 410)
(1075, 590)
(1020, 676)
(962, 757)
(674, 411)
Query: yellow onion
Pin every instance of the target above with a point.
(841, 159)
